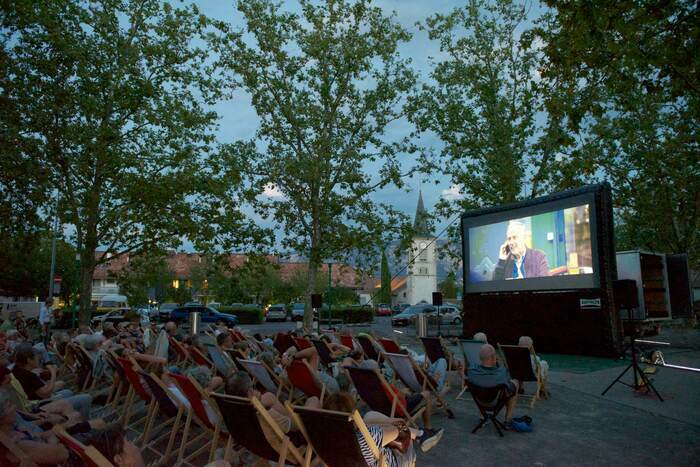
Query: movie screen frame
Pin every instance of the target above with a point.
(525, 209)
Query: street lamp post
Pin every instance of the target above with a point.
(328, 296)
(53, 249)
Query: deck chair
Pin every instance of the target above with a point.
(196, 396)
(368, 348)
(199, 357)
(415, 378)
(379, 396)
(332, 436)
(260, 373)
(489, 401)
(302, 377)
(519, 361)
(89, 455)
(302, 343)
(324, 353)
(347, 340)
(223, 363)
(85, 380)
(168, 405)
(11, 447)
(435, 350)
(241, 417)
(183, 357)
(282, 342)
(389, 345)
(130, 369)
(470, 353)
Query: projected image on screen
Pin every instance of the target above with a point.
(551, 244)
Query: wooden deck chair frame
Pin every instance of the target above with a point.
(83, 360)
(354, 417)
(413, 381)
(90, 456)
(148, 443)
(535, 373)
(395, 402)
(289, 451)
(183, 356)
(199, 358)
(207, 425)
(319, 384)
(11, 446)
(468, 361)
(131, 400)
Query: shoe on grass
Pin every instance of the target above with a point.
(430, 438)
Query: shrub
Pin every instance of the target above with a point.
(247, 314)
(349, 314)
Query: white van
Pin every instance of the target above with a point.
(111, 303)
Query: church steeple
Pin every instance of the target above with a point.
(420, 223)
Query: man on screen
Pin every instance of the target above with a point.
(515, 260)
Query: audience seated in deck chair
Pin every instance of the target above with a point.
(488, 374)
(38, 446)
(387, 433)
(116, 448)
(26, 364)
(312, 358)
(241, 385)
(526, 341)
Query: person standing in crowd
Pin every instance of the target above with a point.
(45, 318)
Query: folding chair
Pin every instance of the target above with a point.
(379, 396)
(197, 397)
(282, 342)
(199, 358)
(470, 353)
(415, 378)
(90, 456)
(302, 343)
(489, 401)
(136, 388)
(435, 350)
(222, 362)
(302, 377)
(389, 345)
(84, 371)
(11, 447)
(241, 417)
(347, 340)
(324, 353)
(266, 378)
(519, 361)
(332, 436)
(368, 348)
(165, 404)
(183, 357)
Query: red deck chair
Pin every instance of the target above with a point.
(199, 358)
(168, 406)
(90, 456)
(368, 348)
(389, 345)
(347, 340)
(302, 377)
(302, 343)
(234, 336)
(136, 388)
(282, 342)
(196, 397)
(183, 355)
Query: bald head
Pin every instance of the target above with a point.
(487, 355)
(171, 328)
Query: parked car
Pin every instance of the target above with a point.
(276, 312)
(396, 309)
(298, 311)
(118, 316)
(408, 316)
(165, 309)
(207, 315)
(383, 310)
(450, 314)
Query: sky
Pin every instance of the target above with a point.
(238, 119)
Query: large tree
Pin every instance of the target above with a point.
(111, 102)
(631, 73)
(326, 84)
(384, 295)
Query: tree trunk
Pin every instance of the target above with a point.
(310, 289)
(87, 270)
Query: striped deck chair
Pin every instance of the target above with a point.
(199, 401)
(332, 436)
(302, 377)
(380, 396)
(241, 417)
(415, 378)
(89, 455)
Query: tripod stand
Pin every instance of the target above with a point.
(637, 372)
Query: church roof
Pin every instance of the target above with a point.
(420, 224)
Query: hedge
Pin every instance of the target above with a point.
(247, 314)
(349, 314)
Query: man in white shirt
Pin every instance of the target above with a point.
(45, 317)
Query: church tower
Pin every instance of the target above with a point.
(421, 281)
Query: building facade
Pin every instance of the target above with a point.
(421, 280)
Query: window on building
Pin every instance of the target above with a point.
(422, 270)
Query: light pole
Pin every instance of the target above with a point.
(328, 296)
(53, 248)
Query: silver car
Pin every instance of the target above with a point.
(276, 312)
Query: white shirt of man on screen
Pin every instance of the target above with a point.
(515, 260)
